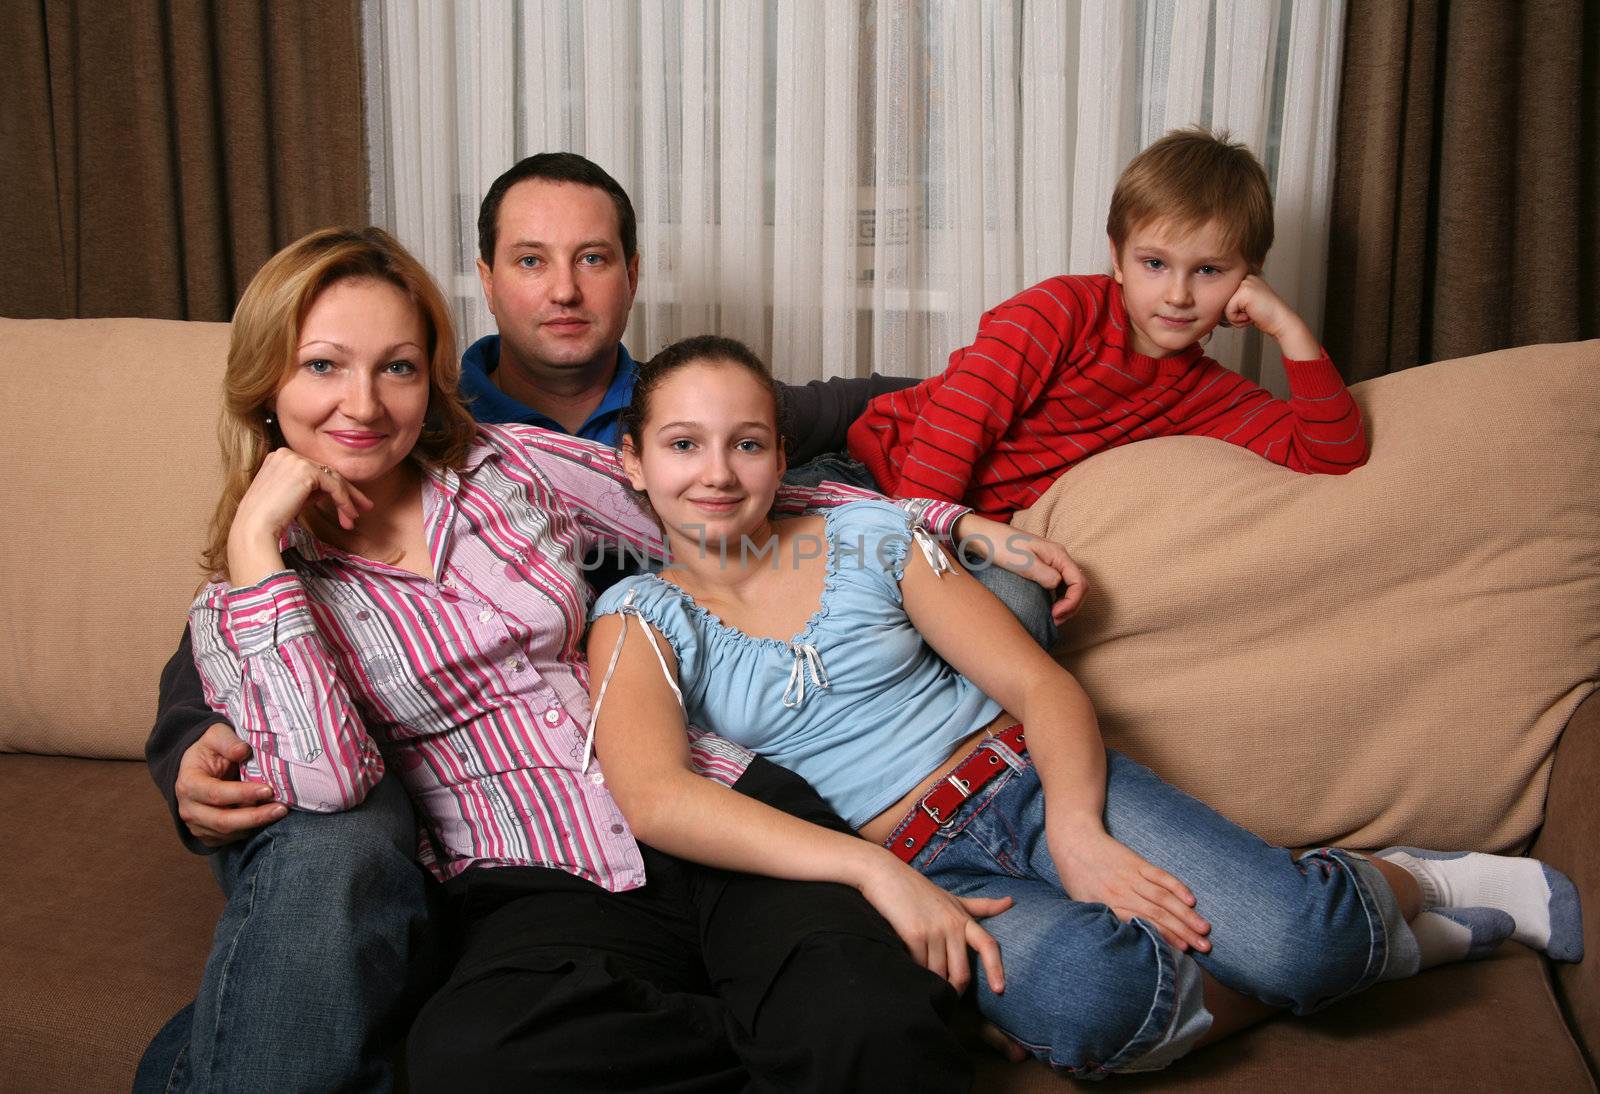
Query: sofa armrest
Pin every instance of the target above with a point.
(1568, 841)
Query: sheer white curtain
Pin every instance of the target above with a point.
(846, 184)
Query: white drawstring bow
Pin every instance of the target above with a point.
(806, 660)
(936, 559)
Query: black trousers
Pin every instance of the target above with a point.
(702, 980)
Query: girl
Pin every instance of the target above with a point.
(395, 587)
(847, 648)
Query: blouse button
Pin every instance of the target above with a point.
(485, 615)
(552, 716)
(363, 616)
(515, 666)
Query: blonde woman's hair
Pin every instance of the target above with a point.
(1190, 178)
(261, 353)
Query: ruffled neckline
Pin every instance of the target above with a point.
(830, 580)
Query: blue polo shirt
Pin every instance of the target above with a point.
(491, 405)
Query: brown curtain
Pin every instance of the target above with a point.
(157, 152)
(1467, 188)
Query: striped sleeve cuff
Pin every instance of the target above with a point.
(269, 613)
(938, 517)
(717, 758)
(1313, 380)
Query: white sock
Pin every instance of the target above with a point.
(1448, 934)
(1541, 900)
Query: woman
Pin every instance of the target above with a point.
(850, 650)
(395, 586)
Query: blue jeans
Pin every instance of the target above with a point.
(1029, 602)
(314, 970)
(1092, 994)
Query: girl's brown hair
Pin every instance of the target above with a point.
(701, 348)
(261, 352)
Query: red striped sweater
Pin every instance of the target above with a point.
(1051, 380)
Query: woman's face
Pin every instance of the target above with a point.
(357, 390)
(710, 456)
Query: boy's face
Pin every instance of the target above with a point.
(1176, 284)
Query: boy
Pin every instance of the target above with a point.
(1078, 364)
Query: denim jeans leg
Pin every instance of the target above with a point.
(313, 963)
(164, 1067)
(1085, 991)
(831, 468)
(1027, 600)
(1296, 933)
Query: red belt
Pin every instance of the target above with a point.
(940, 804)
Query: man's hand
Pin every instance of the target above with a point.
(215, 805)
(1042, 561)
(1254, 303)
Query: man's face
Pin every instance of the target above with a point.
(559, 288)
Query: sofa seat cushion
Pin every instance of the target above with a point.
(1381, 657)
(104, 926)
(1486, 1026)
(107, 935)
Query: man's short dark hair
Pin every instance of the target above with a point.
(555, 167)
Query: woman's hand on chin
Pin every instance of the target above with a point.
(1096, 868)
(937, 927)
(286, 483)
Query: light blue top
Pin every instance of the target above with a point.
(857, 703)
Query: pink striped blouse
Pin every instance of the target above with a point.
(475, 685)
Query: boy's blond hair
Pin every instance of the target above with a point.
(1189, 178)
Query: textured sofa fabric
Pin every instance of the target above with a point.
(1375, 658)
(108, 434)
(105, 920)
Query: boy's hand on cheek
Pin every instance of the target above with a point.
(1255, 304)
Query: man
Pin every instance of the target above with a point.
(319, 959)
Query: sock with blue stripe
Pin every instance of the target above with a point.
(1541, 900)
(1460, 934)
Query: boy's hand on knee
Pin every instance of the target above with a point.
(1255, 304)
(213, 803)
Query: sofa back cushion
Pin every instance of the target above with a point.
(1380, 657)
(108, 441)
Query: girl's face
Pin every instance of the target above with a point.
(709, 457)
(357, 391)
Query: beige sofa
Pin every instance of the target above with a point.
(1402, 653)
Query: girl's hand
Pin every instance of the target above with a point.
(1042, 561)
(1096, 868)
(285, 485)
(937, 927)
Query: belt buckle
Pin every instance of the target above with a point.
(959, 785)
